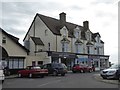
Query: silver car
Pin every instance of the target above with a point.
(110, 73)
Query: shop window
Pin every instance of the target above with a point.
(21, 63)
(33, 63)
(96, 63)
(40, 62)
(16, 63)
(10, 64)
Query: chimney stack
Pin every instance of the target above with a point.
(62, 18)
(86, 24)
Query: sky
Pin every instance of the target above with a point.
(16, 17)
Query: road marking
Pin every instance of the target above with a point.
(56, 81)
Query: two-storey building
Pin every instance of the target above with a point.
(56, 40)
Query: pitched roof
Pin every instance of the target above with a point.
(37, 41)
(65, 40)
(14, 39)
(54, 25)
(89, 43)
(78, 41)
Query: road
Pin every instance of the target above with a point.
(71, 80)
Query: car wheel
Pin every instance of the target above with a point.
(104, 77)
(30, 75)
(119, 78)
(55, 73)
(2, 81)
(42, 76)
(63, 74)
(19, 75)
(74, 71)
(90, 70)
(81, 71)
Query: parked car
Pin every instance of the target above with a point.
(6, 71)
(32, 71)
(111, 73)
(119, 74)
(56, 68)
(81, 68)
(2, 76)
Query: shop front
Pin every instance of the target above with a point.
(83, 59)
(63, 57)
(100, 61)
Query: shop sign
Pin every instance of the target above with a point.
(83, 59)
(63, 55)
(94, 57)
(103, 57)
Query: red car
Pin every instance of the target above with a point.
(81, 68)
(31, 71)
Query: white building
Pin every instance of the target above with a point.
(12, 53)
(56, 40)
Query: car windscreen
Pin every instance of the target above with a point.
(115, 66)
(36, 67)
(57, 65)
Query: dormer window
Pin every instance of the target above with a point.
(65, 32)
(98, 39)
(88, 35)
(77, 32)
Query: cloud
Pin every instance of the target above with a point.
(101, 14)
(104, 1)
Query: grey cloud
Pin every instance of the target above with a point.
(103, 1)
(76, 8)
(14, 31)
(14, 13)
(101, 14)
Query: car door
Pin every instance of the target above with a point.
(26, 71)
(50, 69)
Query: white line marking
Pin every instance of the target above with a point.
(49, 83)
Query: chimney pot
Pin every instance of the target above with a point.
(86, 24)
(62, 18)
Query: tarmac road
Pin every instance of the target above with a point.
(70, 80)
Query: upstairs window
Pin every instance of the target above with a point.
(46, 32)
(78, 46)
(64, 47)
(49, 46)
(88, 49)
(4, 40)
(98, 52)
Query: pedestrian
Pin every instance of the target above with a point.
(93, 67)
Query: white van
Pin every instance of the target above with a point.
(2, 76)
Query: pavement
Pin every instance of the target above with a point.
(111, 81)
(11, 76)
